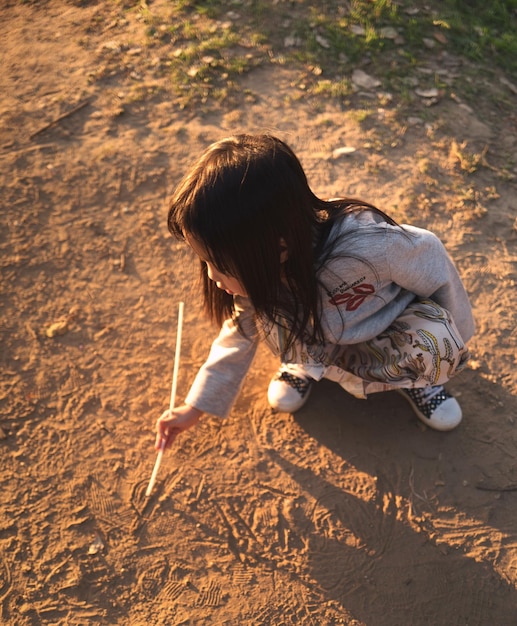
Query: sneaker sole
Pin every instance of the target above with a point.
(294, 406)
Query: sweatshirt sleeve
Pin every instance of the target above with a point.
(419, 263)
(220, 378)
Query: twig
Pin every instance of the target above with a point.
(415, 494)
(56, 569)
(233, 544)
(80, 106)
(483, 487)
(41, 146)
(200, 487)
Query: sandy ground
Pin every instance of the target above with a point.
(349, 512)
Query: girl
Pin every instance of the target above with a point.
(336, 288)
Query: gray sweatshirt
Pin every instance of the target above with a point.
(374, 272)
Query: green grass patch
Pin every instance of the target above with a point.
(213, 42)
(481, 30)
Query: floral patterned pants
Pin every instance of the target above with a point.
(422, 347)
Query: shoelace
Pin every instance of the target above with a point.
(296, 371)
(301, 385)
(428, 393)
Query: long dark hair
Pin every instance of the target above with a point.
(245, 199)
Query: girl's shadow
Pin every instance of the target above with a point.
(383, 537)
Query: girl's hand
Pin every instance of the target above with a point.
(171, 423)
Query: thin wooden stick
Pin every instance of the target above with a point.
(173, 397)
(80, 106)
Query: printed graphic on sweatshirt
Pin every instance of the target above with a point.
(352, 296)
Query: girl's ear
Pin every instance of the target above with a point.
(284, 253)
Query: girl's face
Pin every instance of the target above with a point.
(230, 284)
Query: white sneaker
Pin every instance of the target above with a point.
(434, 406)
(289, 388)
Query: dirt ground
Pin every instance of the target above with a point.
(349, 512)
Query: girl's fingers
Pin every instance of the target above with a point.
(158, 441)
(162, 429)
(165, 437)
